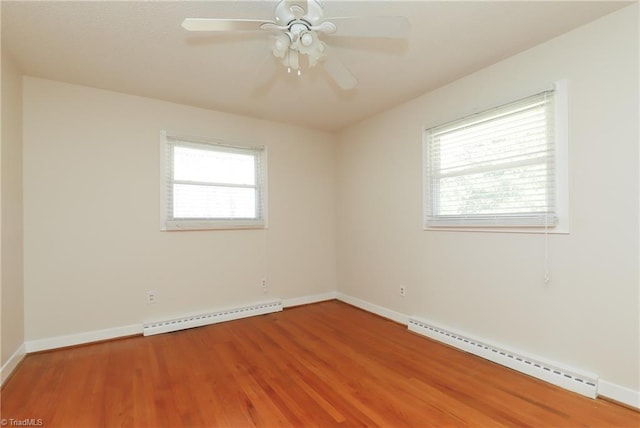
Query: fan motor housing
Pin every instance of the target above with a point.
(307, 13)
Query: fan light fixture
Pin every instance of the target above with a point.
(296, 28)
(298, 35)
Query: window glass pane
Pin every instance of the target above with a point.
(507, 191)
(208, 166)
(516, 137)
(213, 202)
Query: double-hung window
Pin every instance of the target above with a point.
(495, 169)
(211, 185)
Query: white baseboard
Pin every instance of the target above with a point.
(619, 393)
(306, 300)
(82, 338)
(12, 363)
(375, 309)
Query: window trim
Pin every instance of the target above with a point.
(167, 223)
(561, 129)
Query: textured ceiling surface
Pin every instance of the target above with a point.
(140, 48)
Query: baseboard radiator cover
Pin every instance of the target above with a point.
(200, 320)
(574, 380)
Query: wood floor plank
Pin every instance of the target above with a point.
(321, 365)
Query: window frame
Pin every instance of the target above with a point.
(561, 151)
(169, 140)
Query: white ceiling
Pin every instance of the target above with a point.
(140, 48)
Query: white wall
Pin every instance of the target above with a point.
(491, 284)
(12, 291)
(92, 240)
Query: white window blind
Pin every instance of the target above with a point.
(211, 185)
(493, 169)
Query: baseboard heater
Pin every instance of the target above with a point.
(192, 321)
(573, 380)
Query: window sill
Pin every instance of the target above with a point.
(177, 226)
(557, 230)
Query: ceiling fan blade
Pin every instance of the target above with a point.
(396, 27)
(272, 26)
(339, 73)
(325, 27)
(215, 24)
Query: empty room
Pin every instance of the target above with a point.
(320, 213)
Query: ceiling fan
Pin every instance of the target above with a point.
(296, 30)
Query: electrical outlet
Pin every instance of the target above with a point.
(403, 291)
(264, 285)
(152, 296)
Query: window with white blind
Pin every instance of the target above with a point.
(211, 185)
(498, 168)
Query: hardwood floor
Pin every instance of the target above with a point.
(324, 365)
